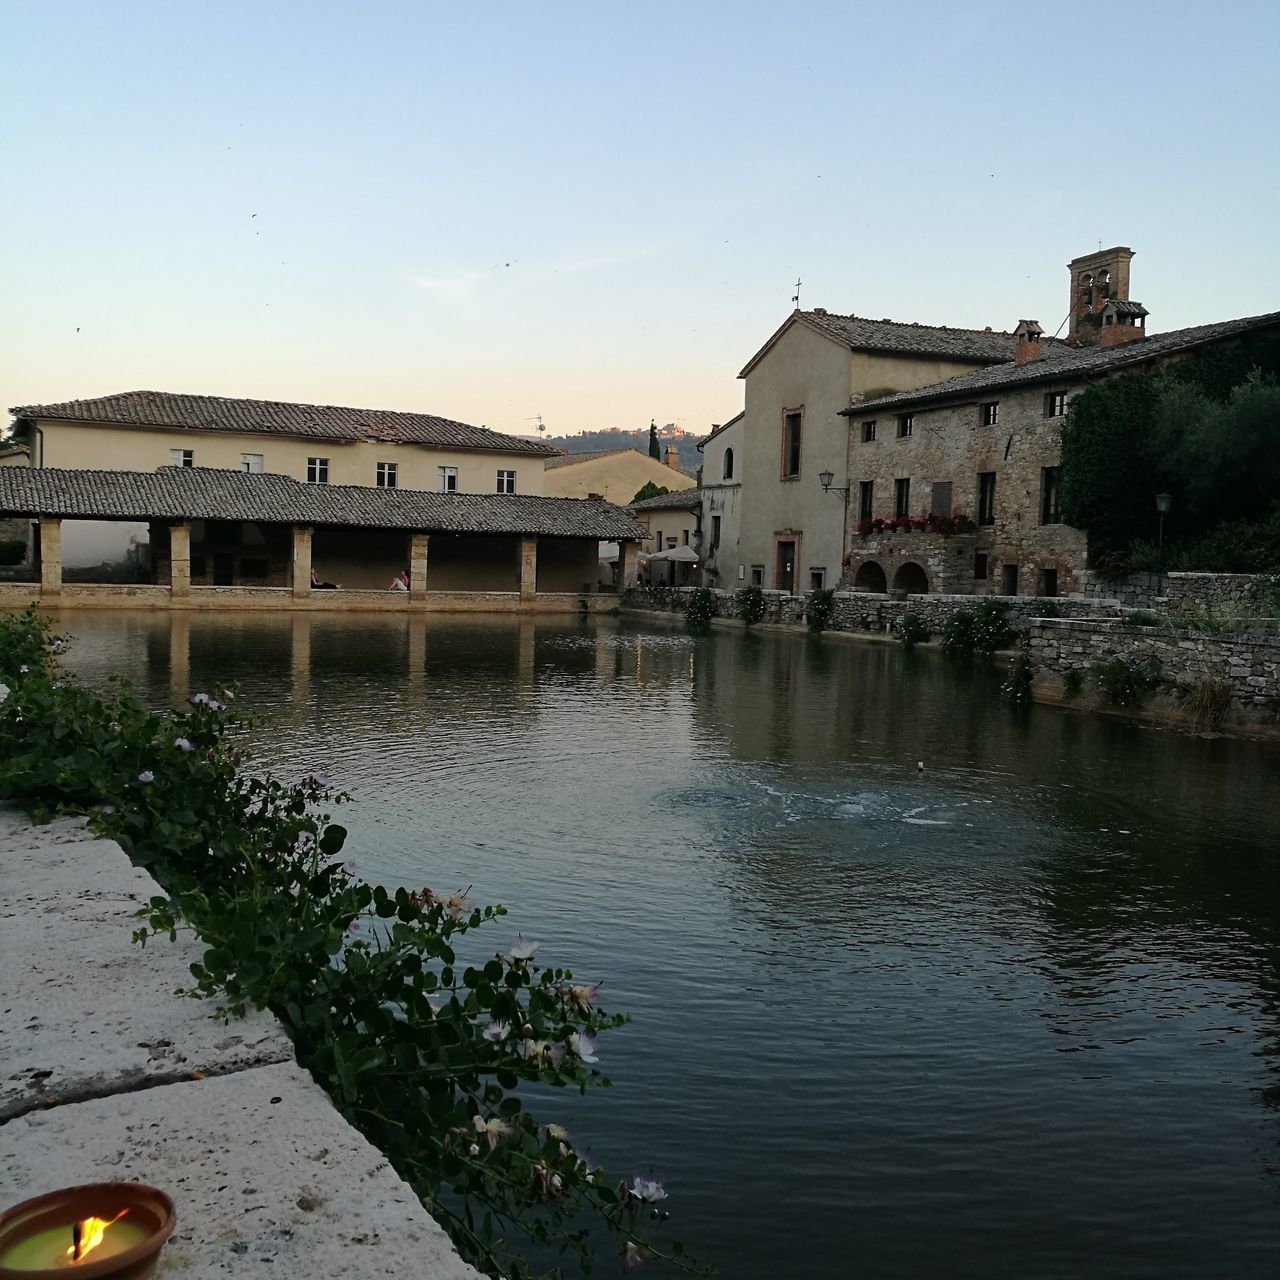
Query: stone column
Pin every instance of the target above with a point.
(418, 568)
(628, 564)
(179, 559)
(528, 567)
(50, 556)
(301, 561)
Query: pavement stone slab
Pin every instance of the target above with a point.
(18, 832)
(85, 1011)
(268, 1179)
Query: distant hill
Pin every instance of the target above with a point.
(620, 438)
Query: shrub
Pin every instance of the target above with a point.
(968, 632)
(1072, 682)
(699, 611)
(12, 550)
(1210, 700)
(818, 608)
(1125, 683)
(426, 1056)
(912, 631)
(959, 633)
(1017, 683)
(749, 604)
(1140, 618)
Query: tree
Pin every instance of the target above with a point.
(655, 450)
(650, 490)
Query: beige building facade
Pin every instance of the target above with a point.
(670, 522)
(616, 475)
(721, 489)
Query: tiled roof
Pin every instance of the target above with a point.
(566, 459)
(1061, 363)
(724, 426)
(203, 493)
(895, 337)
(274, 417)
(680, 500)
(12, 448)
(1125, 307)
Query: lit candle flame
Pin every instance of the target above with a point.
(87, 1235)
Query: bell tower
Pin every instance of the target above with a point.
(1096, 279)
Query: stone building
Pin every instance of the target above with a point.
(721, 515)
(954, 486)
(671, 524)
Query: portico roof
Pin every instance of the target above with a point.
(205, 493)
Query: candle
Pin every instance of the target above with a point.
(54, 1246)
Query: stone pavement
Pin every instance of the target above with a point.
(105, 1073)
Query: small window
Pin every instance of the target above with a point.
(686, 537)
(980, 565)
(657, 540)
(317, 470)
(902, 497)
(1049, 488)
(715, 532)
(182, 457)
(868, 432)
(989, 413)
(387, 475)
(671, 541)
(1009, 580)
(757, 575)
(906, 425)
(791, 427)
(728, 464)
(986, 497)
(817, 577)
(448, 479)
(506, 482)
(866, 499)
(251, 462)
(1055, 404)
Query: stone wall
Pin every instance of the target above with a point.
(1227, 595)
(1136, 590)
(1248, 665)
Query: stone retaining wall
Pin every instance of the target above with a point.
(1227, 595)
(1136, 590)
(1248, 665)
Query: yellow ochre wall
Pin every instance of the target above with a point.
(104, 447)
(616, 477)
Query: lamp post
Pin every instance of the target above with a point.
(1164, 501)
(824, 479)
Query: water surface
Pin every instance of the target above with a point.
(1012, 1015)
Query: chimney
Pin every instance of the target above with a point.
(671, 457)
(1028, 335)
(1096, 279)
(1122, 322)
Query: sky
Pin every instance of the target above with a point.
(597, 213)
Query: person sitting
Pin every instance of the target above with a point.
(400, 582)
(317, 585)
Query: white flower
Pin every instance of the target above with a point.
(454, 903)
(497, 1031)
(583, 1047)
(581, 997)
(146, 776)
(522, 948)
(632, 1256)
(319, 779)
(536, 1050)
(4, 692)
(24, 669)
(647, 1191)
(473, 1150)
(491, 1130)
(184, 744)
(201, 699)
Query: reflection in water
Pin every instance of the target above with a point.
(1013, 1015)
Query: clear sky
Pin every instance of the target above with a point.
(596, 212)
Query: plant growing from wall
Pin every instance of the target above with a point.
(912, 631)
(982, 631)
(1209, 701)
(430, 1056)
(1127, 683)
(1017, 682)
(1072, 682)
(818, 608)
(699, 611)
(749, 604)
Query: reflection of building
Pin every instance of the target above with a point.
(670, 523)
(237, 538)
(616, 475)
(721, 505)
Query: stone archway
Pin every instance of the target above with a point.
(870, 577)
(912, 579)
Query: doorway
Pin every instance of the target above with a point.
(785, 570)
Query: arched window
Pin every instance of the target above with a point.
(728, 464)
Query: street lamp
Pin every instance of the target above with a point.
(824, 479)
(1164, 501)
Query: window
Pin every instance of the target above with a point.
(989, 413)
(986, 497)
(1047, 582)
(251, 462)
(906, 424)
(1049, 496)
(980, 565)
(728, 464)
(506, 482)
(816, 578)
(866, 498)
(671, 541)
(868, 432)
(317, 470)
(182, 457)
(901, 497)
(1009, 580)
(387, 475)
(1055, 404)
(448, 479)
(757, 575)
(791, 445)
(686, 537)
(657, 540)
(715, 532)
(940, 498)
